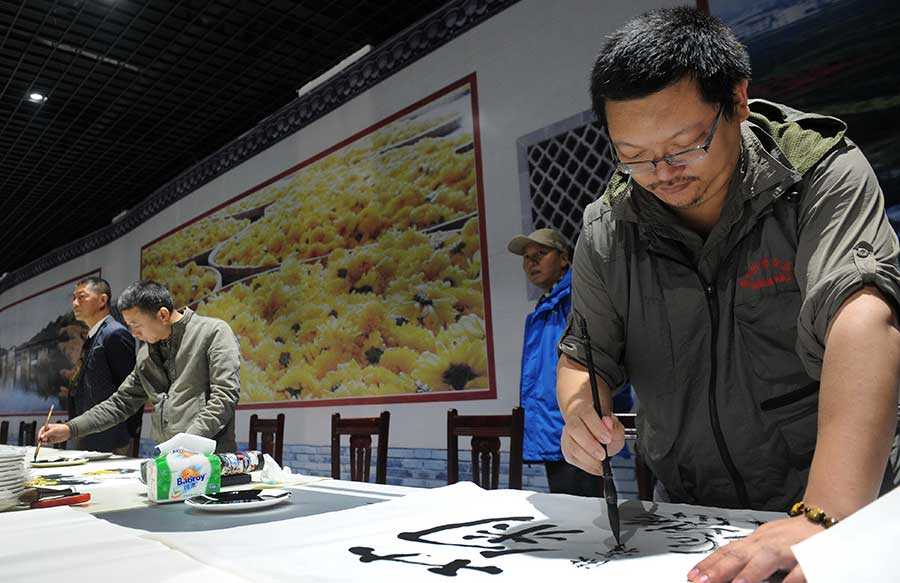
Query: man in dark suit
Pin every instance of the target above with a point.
(107, 357)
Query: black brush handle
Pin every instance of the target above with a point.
(609, 487)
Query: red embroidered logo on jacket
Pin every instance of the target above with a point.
(767, 272)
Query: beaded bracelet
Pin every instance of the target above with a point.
(814, 514)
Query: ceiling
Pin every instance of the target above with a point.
(137, 92)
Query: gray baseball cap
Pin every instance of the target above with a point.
(546, 237)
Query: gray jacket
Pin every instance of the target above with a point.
(196, 392)
(723, 339)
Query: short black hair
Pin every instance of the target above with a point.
(98, 284)
(147, 296)
(661, 47)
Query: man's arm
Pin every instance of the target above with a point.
(125, 402)
(224, 357)
(584, 431)
(857, 405)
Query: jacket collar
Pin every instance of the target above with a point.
(560, 290)
(179, 327)
(95, 329)
(174, 340)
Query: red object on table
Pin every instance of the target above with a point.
(62, 501)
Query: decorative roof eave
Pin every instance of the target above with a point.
(403, 49)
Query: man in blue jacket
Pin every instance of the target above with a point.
(545, 260)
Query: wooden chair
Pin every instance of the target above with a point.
(271, 432)
(27, 433)
(4, 432)
(361, 430)
(645, 478)
(486, 431)
(136, 444)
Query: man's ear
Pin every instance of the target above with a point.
(741, 100)
(105, 301)
(164, 315)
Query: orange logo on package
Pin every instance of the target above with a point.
(767, 272)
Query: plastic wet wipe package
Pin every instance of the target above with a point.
(182, 473)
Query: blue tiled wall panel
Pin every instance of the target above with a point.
(424, 468)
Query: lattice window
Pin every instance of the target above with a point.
(563, 168)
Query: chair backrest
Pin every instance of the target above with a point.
(271, 433)
(4, 432)
(361, 430)
(27, 433)
(645, 478)
(136, 444)
(486, 431)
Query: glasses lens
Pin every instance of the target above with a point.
(685, 158)
(635, 167)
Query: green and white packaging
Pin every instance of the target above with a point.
(182, 473)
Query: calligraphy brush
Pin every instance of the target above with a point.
(38, 446)
(609, 487)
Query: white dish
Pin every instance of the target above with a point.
(58, 463)
(228, 501)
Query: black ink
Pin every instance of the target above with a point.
(367, 555)
(529, 535)
(689, 535)
(618, 552)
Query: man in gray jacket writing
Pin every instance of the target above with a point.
(188, 367)
(740, 271)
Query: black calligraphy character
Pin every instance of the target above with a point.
(529, 535)
(367, 555)
(689, 536)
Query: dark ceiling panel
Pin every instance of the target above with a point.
(140, 91)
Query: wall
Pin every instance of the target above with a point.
(532, 62)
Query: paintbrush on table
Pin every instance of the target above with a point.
(609, 487)
(37, 448)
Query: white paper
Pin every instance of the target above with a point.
(114, 484)
(467, 533)
(189, 442)
(67, 545)
(861, 548)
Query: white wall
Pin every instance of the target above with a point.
(532, 63)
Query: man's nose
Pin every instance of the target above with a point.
(666, 172)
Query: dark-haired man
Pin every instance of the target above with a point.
(188, 367)
(740, 271)
(107, 358)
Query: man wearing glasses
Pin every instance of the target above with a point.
(545, 261)
(741, 272)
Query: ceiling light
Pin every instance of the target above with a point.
(37, 97)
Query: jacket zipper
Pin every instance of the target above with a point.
(725, 454)
(710, 292)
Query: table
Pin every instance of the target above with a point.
(340, 531)
(118, 495)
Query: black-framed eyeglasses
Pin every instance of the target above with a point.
(677, 159)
